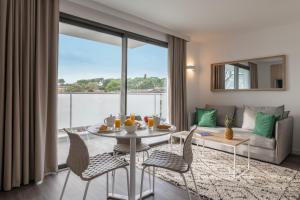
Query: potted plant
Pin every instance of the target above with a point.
(228, 124)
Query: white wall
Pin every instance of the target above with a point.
(266, 42)
(195, 77)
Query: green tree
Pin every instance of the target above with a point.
(91, 87)
(61, 81)
(74, 88)
(113, 85)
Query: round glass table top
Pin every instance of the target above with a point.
(140, 133)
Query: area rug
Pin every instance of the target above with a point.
(214, 177)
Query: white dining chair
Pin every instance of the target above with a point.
(174, 162)
(89, 168)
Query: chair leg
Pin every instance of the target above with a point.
(65, 184)
(86, 189)
(143, 156)
(142, 181)
(113, 181)
(194, 181)
(107, 185)
(187, 189)
(153, 179)
(127, 175)
(149, 172)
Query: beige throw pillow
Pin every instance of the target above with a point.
(250, 114)
(249, 119)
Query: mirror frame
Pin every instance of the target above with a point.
(212, 86)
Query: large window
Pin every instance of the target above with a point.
(147, 79)
(95, 66)
(89, 74)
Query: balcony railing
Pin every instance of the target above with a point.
(84, 109)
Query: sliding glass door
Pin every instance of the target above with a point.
(147, 75)
(104, 72)
(89, 77)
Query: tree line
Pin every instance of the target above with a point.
(112, 85)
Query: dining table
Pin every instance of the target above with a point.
(132, 137)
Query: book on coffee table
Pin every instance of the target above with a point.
(203, 133)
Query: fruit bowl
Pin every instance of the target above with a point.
(130, 129)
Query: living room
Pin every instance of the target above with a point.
(110, 99)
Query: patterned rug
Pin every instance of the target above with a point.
(214, 176)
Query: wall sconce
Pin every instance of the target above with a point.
(193, 67)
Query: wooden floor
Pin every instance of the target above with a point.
(52, 185)
(50, 189)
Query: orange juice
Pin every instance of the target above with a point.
(117, 123)
(132, 117)
(150, 122)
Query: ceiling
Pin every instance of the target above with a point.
(206, 19)
(88, 34)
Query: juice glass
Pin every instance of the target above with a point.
(150, 122)
(132, 117)
(117, 123)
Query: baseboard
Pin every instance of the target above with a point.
(296, 151)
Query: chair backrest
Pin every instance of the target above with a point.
(187, 147)
(78, 158)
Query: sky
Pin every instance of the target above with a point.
(86, 59)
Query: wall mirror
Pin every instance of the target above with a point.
(264, 74)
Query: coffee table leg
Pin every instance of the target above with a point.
(234, 154)
(248, 155)
(171, 142)
(203, 145)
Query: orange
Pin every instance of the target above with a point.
(128, 122)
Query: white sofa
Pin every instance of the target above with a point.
(273, 150)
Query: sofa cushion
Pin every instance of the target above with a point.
(238, 117)
(264, 124)
(263, 142)
(250, 114)
(207, 118)
(249, 119)
(222, 111)
(285, 115)
(255, 140)
(273, 110)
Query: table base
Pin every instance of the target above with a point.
(125, 197)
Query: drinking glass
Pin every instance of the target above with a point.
(132, 117)
(150, 122)
(117, 123)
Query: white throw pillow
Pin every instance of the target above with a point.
(249, 119)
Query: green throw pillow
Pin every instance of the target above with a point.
(264, 124)
(206, 117)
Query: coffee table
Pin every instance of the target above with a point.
(219, 138)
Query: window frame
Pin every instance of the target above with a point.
(124, 35)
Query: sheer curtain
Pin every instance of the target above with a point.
(28, 68)
(177, 83)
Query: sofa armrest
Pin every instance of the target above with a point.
(191, 119)
(284, 138)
